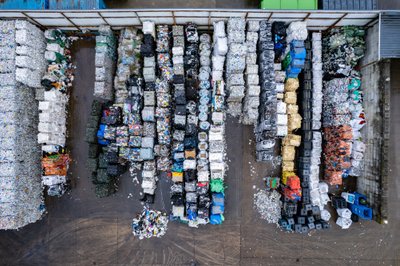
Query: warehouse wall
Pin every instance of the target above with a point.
(372, 43)
(373, 182)
(374, 78)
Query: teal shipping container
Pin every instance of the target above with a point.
(76, 4)
(24, 4)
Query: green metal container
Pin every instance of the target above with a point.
(290, 4)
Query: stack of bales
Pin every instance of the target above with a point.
(105, 63)
(252, 97)
(21, 68)
(235, 64)
(266, 127)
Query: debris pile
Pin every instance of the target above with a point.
(150, 223)
(268, 204)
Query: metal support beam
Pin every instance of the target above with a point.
(337, 21)
(173, 17)
(270, 16)
(105, 21)
(33, 21)
(70, 21)
(308, 15)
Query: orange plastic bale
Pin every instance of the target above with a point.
(293, 182)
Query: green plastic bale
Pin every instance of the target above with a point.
(217, 185)
(93, 151)
(102, 176)
(103, 161)
(91, 135)
(92, 164)
(104, 190)
(286, 62)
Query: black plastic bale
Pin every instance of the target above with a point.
(103, 160)
(112, 157)
(92, 164)
(104, 190)
(91, 135)
(93, 121)
(279, 28)
(114, 170)
(96, 108)
(93, 177)
(103, 177)
(93, 151)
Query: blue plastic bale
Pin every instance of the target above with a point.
(216, 219)
(298, 53)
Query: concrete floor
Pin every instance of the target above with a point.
(81, 229)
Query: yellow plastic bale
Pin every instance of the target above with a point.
(292, 108)
(291, 84)
(290, 97)
(287, 166)
(280, 96)
(294, 122)
(285, 175)
(288, 153)
(293, 140)
(177, 177)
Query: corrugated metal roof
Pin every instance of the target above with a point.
(348, 4)
(117, 18)
(390, 35)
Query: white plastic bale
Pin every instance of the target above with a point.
(253, 91)
(325, 215)
(281, 130)
(253, 25)
(251, 69)
(280, 87)
(177, 51)
(281, 107)
(344, 212)
(236, 37)
(235, 80)
(251, 58)
(297, 31)
(236, 93)
(344, 223)
(221, 46)
(252, 79)
(235, 64)
(149, 28)
(218, 63)
(219, 29)
(149, 62)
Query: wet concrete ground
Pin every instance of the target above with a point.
(81, 229)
